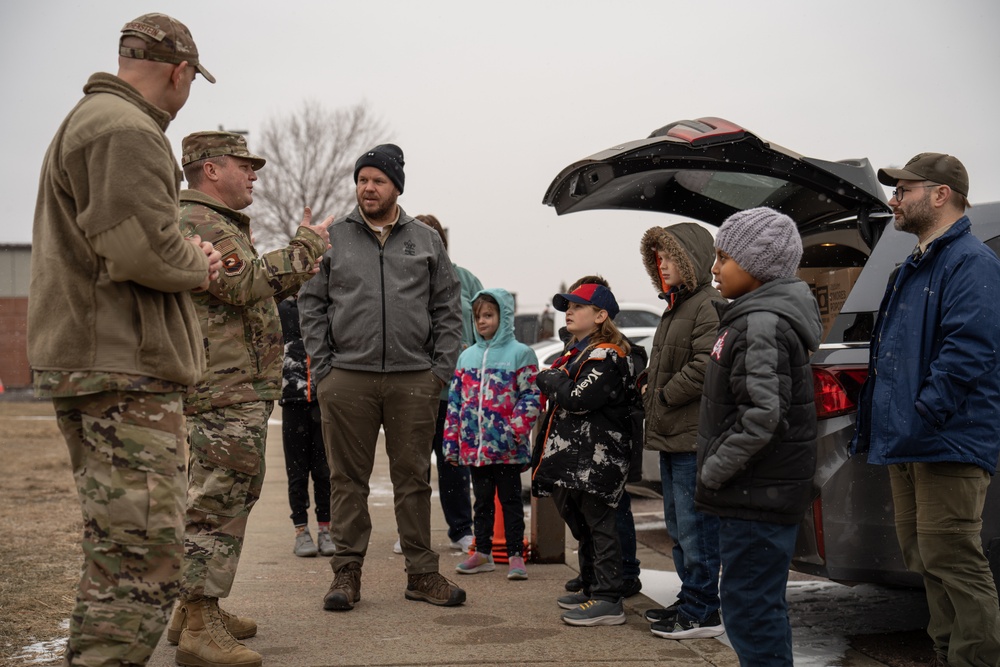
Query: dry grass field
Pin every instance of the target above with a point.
(40, 528)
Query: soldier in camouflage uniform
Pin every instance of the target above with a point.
(229, 407)
(113, 336)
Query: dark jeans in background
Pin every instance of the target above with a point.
(453, 485)
(305, 457)
(625, 523)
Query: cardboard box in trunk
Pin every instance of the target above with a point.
(830, 286)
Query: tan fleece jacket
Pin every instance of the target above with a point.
(110, 271)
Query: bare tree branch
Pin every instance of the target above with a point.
(310, 157)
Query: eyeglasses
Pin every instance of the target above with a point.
(898, 192)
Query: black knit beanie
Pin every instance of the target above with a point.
(386, 157)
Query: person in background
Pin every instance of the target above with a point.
(302, 439)
(492, 406)
(106, 249)
(928, 409)
(453, 480)
(382, 324)
(625, 522)
(679, 262)
(228, 409)
(757, 428)
(585, 445)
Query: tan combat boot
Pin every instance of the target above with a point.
(205, 642)
(239, 627)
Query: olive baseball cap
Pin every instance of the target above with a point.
(937, 167)
(201, 145)
(168, 40)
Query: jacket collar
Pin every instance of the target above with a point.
(960, 226)
(197, 197)
(102, 82)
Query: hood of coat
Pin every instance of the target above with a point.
(789, 297)
(689, 245)
(505, 332)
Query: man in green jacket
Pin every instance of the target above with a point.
(228, 409)
(113, 337)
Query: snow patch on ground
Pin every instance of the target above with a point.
(823, 614)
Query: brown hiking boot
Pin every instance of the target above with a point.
(239, 627)
(432, 587)
(345, 589)
(205, 642)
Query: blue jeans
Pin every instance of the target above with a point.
(695, 535)
(755, 560)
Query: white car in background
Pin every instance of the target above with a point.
(548, 350)
(533, 327)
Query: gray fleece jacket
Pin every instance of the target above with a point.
(382, 308)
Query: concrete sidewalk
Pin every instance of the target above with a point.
(502, 623)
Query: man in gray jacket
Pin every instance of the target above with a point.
(381, 322)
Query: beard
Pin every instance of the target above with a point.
(918, 219)
(377, 211)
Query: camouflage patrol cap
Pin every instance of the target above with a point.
(201, 145)
(168, 40)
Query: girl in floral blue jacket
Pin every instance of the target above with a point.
(492, 405)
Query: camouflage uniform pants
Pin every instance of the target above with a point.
(127, 450)
(225, 476)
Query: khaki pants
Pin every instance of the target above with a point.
(354, 404)
(939, 510)
(128, 453)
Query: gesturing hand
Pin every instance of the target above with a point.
(321, 229)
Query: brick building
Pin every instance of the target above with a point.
(15, 274)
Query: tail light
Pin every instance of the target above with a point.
(837, 389)
(817, 511)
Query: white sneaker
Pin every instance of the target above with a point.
(463, 544)
(397, 548)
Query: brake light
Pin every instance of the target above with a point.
(817, 510)
(837, 389)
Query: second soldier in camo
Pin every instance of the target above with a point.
(228, 409)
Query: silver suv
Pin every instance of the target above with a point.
(710, 168)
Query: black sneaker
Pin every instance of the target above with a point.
(631, 587)
(686, 628)
(662, 614)
(574, 585)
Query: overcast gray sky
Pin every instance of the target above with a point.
(490, 101)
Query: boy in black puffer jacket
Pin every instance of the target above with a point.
(757, 426)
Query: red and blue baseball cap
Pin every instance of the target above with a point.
(589, 295)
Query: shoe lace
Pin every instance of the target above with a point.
(216, 625)
(434, 584)
(347, 577)
(588, 604)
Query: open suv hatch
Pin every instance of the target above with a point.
(706, 170)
